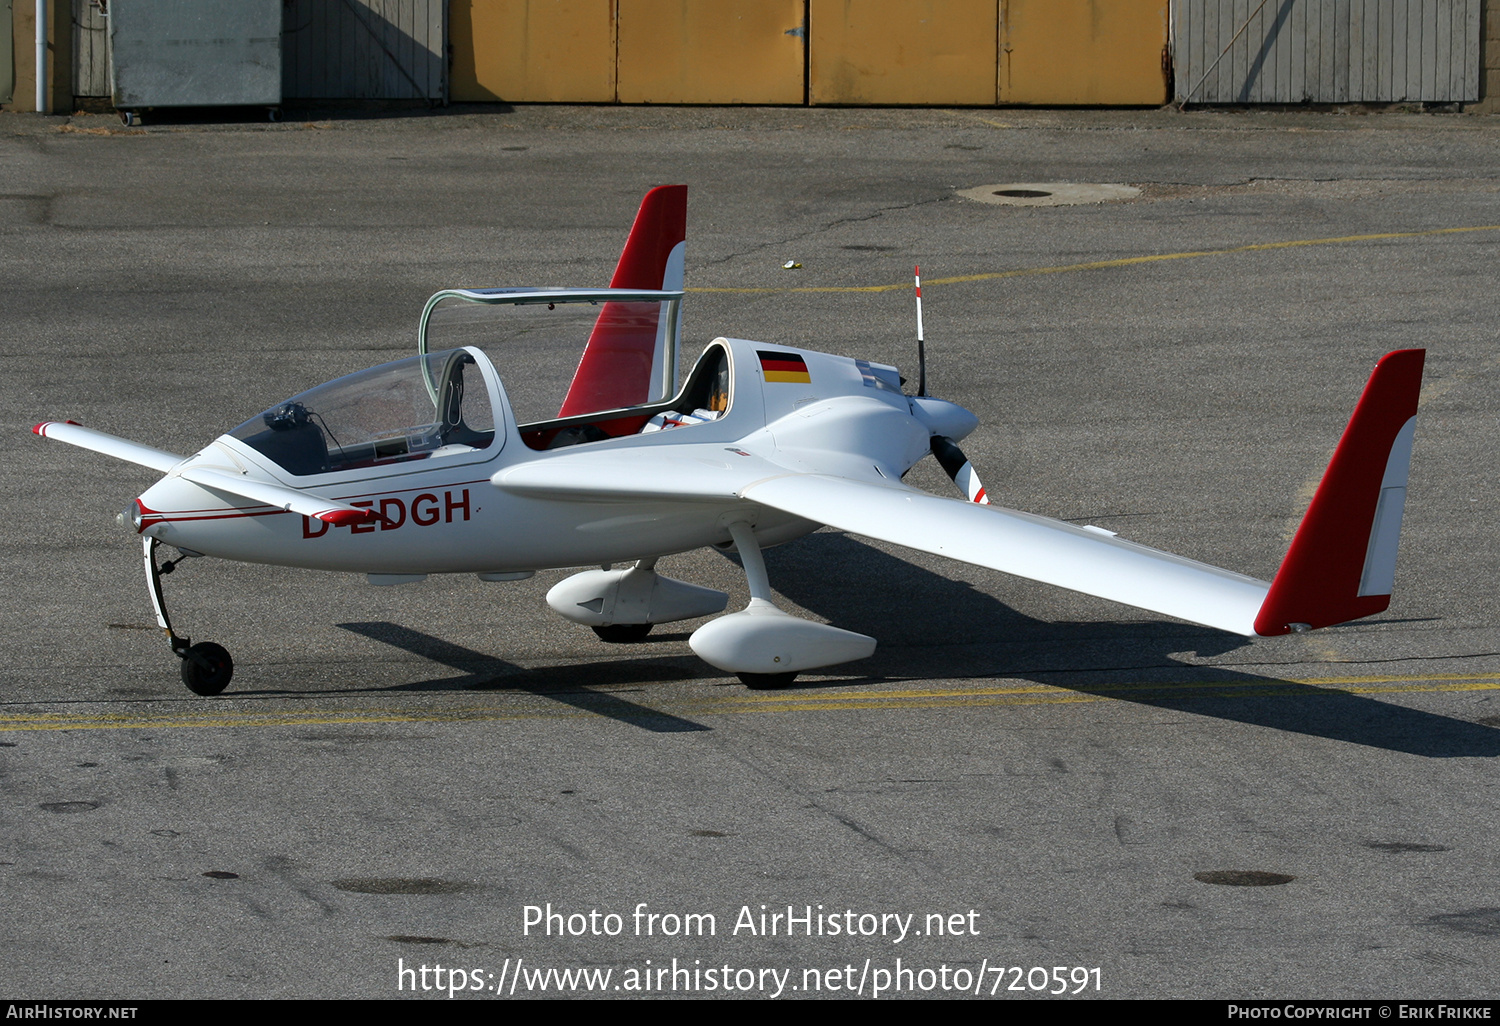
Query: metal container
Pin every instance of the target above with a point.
(195, 53)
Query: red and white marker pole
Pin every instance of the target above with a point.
(921, 345)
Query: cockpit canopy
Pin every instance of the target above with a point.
(424, 407)
(564, 353)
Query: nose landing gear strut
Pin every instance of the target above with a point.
(206, 667)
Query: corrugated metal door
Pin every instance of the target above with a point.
(1326, 51)
(90, 49)
(364, 49)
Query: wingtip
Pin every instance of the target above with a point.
(1341, 563)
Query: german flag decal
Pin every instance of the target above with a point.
(787, 368)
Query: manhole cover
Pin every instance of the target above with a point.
(1050, 194)
(1242, 878)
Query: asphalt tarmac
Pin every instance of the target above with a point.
(1020, 779)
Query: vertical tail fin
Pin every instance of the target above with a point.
(623, 359)
(1342, 561)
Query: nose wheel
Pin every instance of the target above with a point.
(206, 667)
(766, 681)
(624, 633)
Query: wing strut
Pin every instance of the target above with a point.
(763, 645)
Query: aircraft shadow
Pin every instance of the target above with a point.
(568, 685)
(930, 627)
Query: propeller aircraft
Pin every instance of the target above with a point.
(424, 466)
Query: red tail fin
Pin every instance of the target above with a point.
(622, 358)
(1342, 562)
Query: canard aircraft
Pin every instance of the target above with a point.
(426, 466)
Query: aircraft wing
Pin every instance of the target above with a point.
(110, 445)
(289, 499)
(1340, 567)
(679, 473)
(1084, 559)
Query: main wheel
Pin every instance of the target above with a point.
(214, 675)
(624, 633)
(766, 681)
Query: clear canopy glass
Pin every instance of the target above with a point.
(424, 407)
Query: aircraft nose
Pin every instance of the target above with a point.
(150, 512)
(944, 418)
(130, 517)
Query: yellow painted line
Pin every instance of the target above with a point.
(1099, 265)
(1486, 681)
(1031, 694)
(1396, 680)
(319, 717)
(1054, 696)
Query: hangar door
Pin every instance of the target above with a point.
(1326, 51)
(364, 49)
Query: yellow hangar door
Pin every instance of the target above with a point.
(711, 51)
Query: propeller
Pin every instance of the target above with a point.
(944, 448)
(959, 469)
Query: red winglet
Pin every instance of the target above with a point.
(615, 371)
(341, 517)
(1341, 562)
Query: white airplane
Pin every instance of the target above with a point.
(422, 467)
